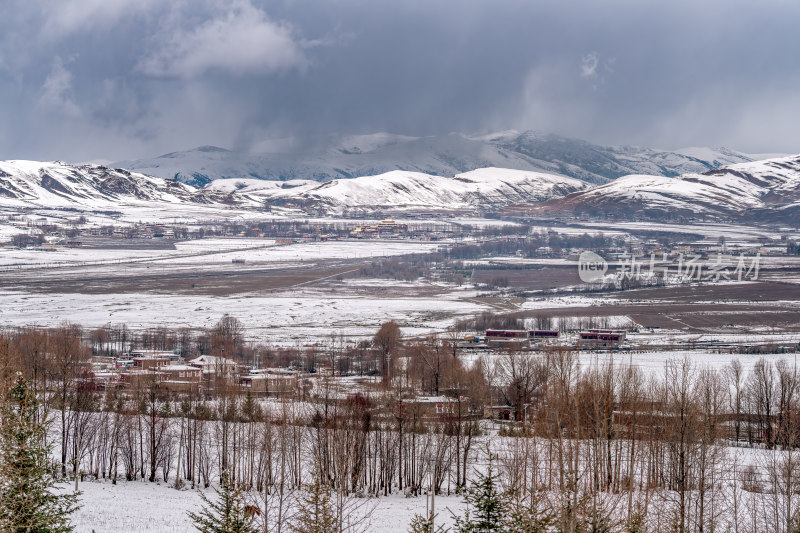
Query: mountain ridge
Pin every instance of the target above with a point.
(767, 190)
(57, 185)
(60, 185)
(761, 191)
(484, 188)
(352, 156)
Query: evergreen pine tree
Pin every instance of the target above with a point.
(227, 514)
(316, 513)
(636, 522)
(583, 514)
(420, 524)
(570, 516)
(528, 515)
(486, 511)
(27, 499)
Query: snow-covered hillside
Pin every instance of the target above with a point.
(92, 187)
(766, 190)
(482, 188)
(599, 164)
(366, 155)
(763, 190)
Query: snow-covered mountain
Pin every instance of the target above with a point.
(57, 185)
(599, 164)
(766, 190)
(94, 187)
(367, 155)
(400, 190)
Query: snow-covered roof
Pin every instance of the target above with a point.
(177, 368)
(209, 362)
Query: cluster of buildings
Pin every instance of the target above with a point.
(593, 339)
(208, 375)
(202, 374)
(386, 226)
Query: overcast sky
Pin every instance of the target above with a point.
(116, 79)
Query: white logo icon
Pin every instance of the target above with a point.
(591, 267)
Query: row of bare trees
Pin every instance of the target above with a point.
(227, 336)
(685, 449)
(601, 447)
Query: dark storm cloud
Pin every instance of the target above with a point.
(83, 79)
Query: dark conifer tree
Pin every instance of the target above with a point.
(316, 512)
(486, 512)
(225, 515)
(28, 502)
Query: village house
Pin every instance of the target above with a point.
(212, 364)
(217, 372)
(149, 362)
(181, 378)
(435, 406)
(271, 382)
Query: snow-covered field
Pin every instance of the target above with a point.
(283, 316)
(143, 507)
(577, 300)
(709, 230)
(654, 363)
(284, 319)
(218, 250)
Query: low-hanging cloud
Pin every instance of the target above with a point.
(68, 16)
(241, 39)
(589, 64)
(56, 93)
